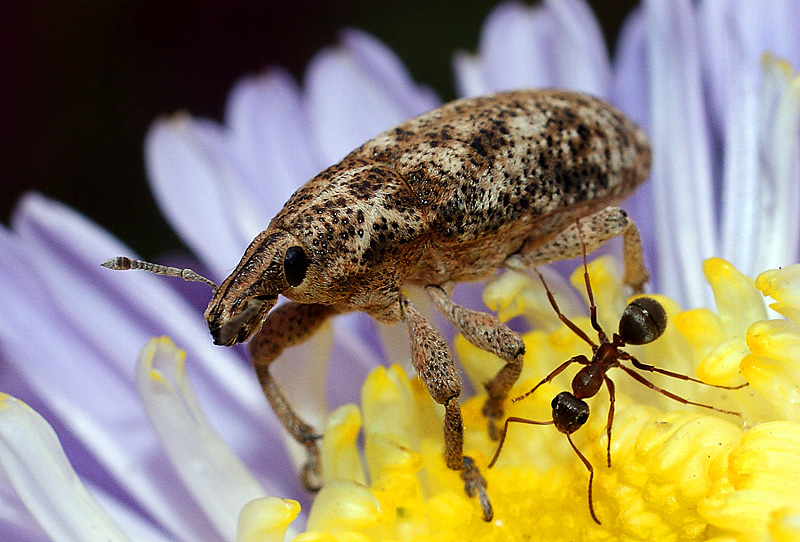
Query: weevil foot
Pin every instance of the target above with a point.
(493, 410)
(311, 474)
(475, 485)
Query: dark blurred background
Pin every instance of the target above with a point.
(80, 81)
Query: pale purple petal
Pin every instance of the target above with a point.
(350, 99)
(390, 72)
(631, 93)
(269, 132)
(200, 190)
(84, 312)
(581, 59)
(630, 88)
(90, 398)
(737, 110)
(515, 49)
(16, 523)
(759, 196)
(558, 44)
(136, 526)
(681, 174)
(740, 32)
(469, 74)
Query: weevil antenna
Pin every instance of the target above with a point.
(121, 263)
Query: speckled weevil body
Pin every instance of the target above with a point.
(506, 180)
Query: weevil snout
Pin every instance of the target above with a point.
(242, 301)
(236, 322)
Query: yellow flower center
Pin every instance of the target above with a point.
(677, 472)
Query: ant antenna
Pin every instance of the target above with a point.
(121, 263)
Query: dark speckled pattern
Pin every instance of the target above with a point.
(447, 197)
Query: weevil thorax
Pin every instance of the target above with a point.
(243, 300)
(360, 227)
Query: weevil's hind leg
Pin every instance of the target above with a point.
(286, 326)
(435, 365)
(595, 230)
(487, 333)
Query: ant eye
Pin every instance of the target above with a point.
(643, 321)
(295, 264)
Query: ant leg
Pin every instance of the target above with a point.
(591, 477)
(610, 386)
(558, 370)
(567, 322)
(505, 431)
(642, 380)
(644, 367)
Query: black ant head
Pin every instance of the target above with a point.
(643, 321)
(569, 412)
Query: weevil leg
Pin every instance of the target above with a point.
(490, 334)
(286, 326)
(436, 367)
(594, 230)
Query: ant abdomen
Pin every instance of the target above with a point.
(643, 321)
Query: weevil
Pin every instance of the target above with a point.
(643, 321)
(453, 195)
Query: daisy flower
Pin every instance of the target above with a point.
(150, 466)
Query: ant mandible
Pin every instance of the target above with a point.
(643, 321)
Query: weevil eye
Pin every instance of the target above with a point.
(295, 265)
(643, 321)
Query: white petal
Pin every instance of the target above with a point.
(779, 152)
(681, 175)
(267, 520)
(216, 478)
(34, 461)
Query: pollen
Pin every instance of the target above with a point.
(678, 472)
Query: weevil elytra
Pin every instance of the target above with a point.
(643, 321)
(452, 195)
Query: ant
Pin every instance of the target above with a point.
(643, 321)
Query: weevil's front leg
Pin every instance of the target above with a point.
(288, 325)
(593, 230)
(437, 369)
(487, 333)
